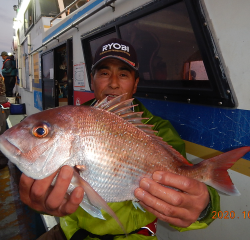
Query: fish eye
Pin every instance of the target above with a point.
(40, 131)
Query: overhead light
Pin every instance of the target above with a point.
(22, 9)
(19, 18)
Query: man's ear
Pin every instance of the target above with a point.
(135, 86)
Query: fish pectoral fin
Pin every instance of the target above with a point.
(91, 209)
(80, 167)
(94, 198)
(138, 205)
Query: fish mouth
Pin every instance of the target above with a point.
(17, 157)
(9, 149)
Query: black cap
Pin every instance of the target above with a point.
(4, 53)
(119, 49)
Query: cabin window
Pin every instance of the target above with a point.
(166, 47)
(46, 8)
(75, 7)
(175, 53)
(29, 17)
(94, 44)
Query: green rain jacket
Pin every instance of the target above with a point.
(131, 218)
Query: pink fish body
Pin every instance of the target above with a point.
(111, 147)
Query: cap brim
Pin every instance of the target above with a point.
(116, 57)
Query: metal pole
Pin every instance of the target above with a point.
(67, 8)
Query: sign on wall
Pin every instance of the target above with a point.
(36, 67)
(79, 73)
(38, 100)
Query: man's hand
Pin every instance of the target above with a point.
(39, 195)
(180, 208)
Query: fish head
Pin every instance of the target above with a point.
(41, 143)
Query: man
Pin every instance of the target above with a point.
(9, 72)
(115, 72)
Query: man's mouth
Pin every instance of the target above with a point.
(111, 96)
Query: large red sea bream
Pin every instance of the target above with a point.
(110, 146)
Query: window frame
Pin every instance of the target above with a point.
(43, 14)
(30, 5)
(219, 94)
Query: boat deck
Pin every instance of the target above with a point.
(17, 220)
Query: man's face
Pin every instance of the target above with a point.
(4, 57)
(113, 78)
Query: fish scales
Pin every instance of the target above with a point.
(111, 154)
(121, 152)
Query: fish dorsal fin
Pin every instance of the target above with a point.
(142, 125)
(120, 105)
(105, 104)
(131, 115)
(124, 110)
(100, 104)
(172, 151)
(135, 120)
(151, 132)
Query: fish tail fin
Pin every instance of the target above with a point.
(95, 202)
(218, 166)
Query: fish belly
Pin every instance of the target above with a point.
(117, 155)
(114, 169)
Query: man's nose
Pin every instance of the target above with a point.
(114, 81)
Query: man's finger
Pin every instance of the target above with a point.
(59, 190)
(168, 195)
(161, 205)
(40, 188)
(179, 182)
(25, 186)
(73, 201)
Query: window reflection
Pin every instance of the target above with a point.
(94, 44)
(48, 8)
(166, 46)
(75, 7)
(28, 16)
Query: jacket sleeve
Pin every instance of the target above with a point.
(208, 218)
(7, 68)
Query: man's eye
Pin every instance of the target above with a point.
(104, 73)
